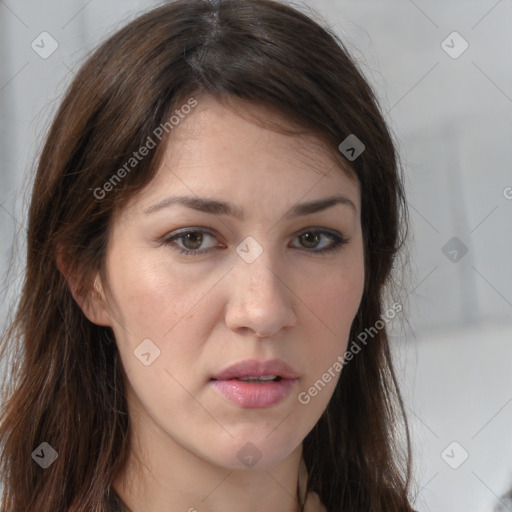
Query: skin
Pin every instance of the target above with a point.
(209, 311)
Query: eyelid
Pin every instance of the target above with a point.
(192, 229)
(185, 231)
(322, 230)
(337, 237)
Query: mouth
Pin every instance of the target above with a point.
(256, 384)
(252, 369)
(254, 393)
(256, 380)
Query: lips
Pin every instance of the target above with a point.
(257, 369)
(256, 384)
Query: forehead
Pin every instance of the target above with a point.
(231, 146)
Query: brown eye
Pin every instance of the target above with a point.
(192, 240)
(310, 239)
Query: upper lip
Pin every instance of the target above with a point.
(255, 368)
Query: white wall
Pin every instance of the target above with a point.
(452, 119)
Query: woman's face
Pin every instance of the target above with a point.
(251, 289)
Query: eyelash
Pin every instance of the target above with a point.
(338, 241)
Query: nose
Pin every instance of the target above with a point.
(261, 300)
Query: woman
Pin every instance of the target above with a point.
(214, 219)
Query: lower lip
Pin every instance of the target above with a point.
(254, 395)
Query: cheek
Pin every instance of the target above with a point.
(151, 297)
(335, 310)
(155, 302)
(335, 297)
(145, 301)
(175, 311)
(334, 302)
(342, 297)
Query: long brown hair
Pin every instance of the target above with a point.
(66, 383)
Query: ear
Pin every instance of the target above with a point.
(92, 300)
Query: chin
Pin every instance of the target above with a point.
(253, 450)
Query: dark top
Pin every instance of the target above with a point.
(115, 503)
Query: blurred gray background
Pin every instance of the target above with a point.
(443, 73)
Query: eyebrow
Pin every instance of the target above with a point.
(217, 207)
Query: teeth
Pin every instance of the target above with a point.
(263, 377)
